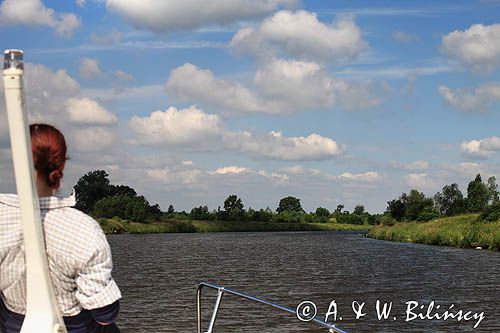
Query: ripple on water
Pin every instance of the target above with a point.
(158, 275)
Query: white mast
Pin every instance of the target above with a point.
(42, 311)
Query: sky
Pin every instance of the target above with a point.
(334, 102)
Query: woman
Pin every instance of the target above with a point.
(78, 253)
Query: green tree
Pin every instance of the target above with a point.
(135, 209)
(415, 203)
(233, 203)
(289, 216)
(387, 220)
(170, 210)
(450, 201)
(200, 213)
(492, 212)
(373, 219)
(396, 209)
(428, 213)
(122, 190)
(477, 195)
(233, 206)
(322, 214)
(90, 188)
(359, 210)
(289, 204)
(260, 215)
(346, 218)
(339, 208)
(493, 190)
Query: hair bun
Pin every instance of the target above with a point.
(49, 153)
(55, 178)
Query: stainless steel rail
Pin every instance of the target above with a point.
(222, 290)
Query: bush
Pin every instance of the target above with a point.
(491, 213)
(322, 215)
(112, 226)
(201, 213)
(373, 219)
(387, 220)
(427, 214)
(129, 208)
(289, 217)
(262, 215)
(346, 218)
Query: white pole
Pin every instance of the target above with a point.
(42, 312)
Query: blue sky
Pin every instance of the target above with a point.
(345, 102)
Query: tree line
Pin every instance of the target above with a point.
(97, 196)
(450, 201)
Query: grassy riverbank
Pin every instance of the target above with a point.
(465, 231)
(113, 226)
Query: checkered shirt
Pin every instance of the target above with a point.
(78, 254)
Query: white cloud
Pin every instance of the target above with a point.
(480, 149)
(192, 128)
(394, 72)
(418, 165)
(47, 91)
(295, 170)
(106, 39)
(295, 84)
(370, 176)
(89, 68)
(91, 139)
(419, 181)
(239, 174)
(356, 96)
(88, 112)
(121, 75)
(404, 37)
(176, 15)
(46, 82)
(280, 87)
(124, 93)
(230, 170)
(190, 83)
(303, 85)
(185, 127)
(477, 99)
(470, 166)
(301, 35)
(477, 47)
(81, 3)
(34, 13)
(175, 177)
(275, 145)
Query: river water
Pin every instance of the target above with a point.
(158, 275)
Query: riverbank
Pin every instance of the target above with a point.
(465, 231)
(116, 226)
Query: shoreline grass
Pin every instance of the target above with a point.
(116, 226)
(464, 231)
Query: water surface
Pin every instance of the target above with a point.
(158, 275)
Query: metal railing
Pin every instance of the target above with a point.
(222, 290)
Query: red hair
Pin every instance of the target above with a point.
(49, 153)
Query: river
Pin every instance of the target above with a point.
(158, 275)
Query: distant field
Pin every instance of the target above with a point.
(465, 231)
(111, 226)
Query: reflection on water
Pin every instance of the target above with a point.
(158, 275)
